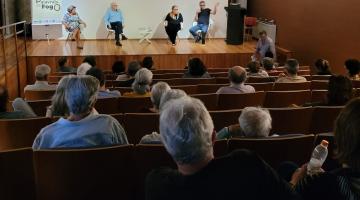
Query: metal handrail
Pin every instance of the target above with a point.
(14, 24)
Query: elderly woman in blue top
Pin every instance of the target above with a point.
(74, 24)
(83, 128)
(114, 20)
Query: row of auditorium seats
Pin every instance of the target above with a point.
(16, 134)
(119, 172)
(270, 99)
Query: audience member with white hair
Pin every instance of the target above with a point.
(157, 91)
(82, 128)
(41, 75)
(253, 123)
(83, 68)
(187, 132)
(237, 76)
(141, 85)
(172, 94)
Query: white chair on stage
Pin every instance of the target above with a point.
(145, 33)
(210, 28)
(110, 32)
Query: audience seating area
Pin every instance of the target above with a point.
(65, 174)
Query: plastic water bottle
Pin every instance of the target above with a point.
(318, 158)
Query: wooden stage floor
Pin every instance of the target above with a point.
(216, 53)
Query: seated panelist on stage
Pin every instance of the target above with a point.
(73, 24)
(264, 48)
(114, 20)
(202, 19)
(173, 23)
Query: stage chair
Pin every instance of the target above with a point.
(210, 27)
(40, 106)
(324, 117)
(275, 150)
(110, 32)
(262, 86)
(331, 163)
(21, 133)
(134, 104)
(148, 157)
(189, 89)
(224, 118)
(145, 33)
(292, 86)
(319, 85)
(101, 173)
(17, 175)
(210, 100)
(291, 120)
(240, 101)
(318, 95)
(139, 124)
(320, 77)
(209, 88)
(249, 24)
(280, 99)
(39, 95)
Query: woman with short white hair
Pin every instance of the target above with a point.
(141, 85)
(254, 122)
(157, 91)
(82, 128)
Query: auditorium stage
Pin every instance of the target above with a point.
(216, 53)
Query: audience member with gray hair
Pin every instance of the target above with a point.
(187, 132)
(41, 75)
(129, 77)
(83, 68)
(253, 123)
(291, 75)
(141, 85)
(157, 91)
(237, 76)
(171, 95)
(82, 128)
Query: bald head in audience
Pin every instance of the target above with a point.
(237, 75)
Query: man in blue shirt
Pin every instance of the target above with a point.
(202, 18)
(114, 20)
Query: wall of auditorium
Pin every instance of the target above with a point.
(315, 29)
(144, 13)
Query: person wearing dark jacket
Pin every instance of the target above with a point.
(173, 23)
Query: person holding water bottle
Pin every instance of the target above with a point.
(342, 183)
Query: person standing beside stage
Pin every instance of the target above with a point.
(114, 20)
(202, 18)
(173, 23)
(264, 48)
(74, 25)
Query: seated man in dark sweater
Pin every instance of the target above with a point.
(187, 132)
